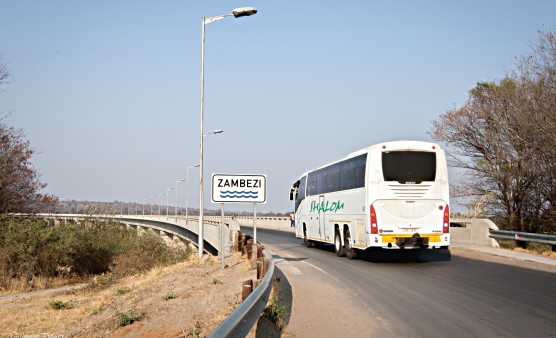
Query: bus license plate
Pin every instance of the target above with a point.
(408, 229)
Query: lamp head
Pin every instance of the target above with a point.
(243, 11)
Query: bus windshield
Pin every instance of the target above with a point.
(409, 166)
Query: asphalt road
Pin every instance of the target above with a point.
(401, 293)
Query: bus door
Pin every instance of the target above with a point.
(321, 219)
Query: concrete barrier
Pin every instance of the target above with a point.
(473, 232)
(463, 231)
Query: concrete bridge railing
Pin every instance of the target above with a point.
(171, 226)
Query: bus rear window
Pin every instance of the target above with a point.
(409, 166)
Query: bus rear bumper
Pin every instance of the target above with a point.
(410, 241)
(415, 241)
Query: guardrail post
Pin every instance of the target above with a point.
(266, 264)
(249, 249)
(256, 283)
(247, 289)
(259, 251)
(237, 235)
(260, 264)
(243, 243)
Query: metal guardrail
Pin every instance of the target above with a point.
(524, 237)
(242, 319)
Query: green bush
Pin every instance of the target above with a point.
(134, 316)
(59, 305)
(33, 248)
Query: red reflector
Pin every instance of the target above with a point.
(374, 224)
(446, 220)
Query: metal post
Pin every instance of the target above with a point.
(167, 202)
(160, 201)
(222, 226)
(200, 234)
(240, 12)
(176, 208)
(186, 192)
(255, 223)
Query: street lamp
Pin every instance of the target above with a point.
(176, 211)
(160, 201)
(238, 12)
(187, 188)
(167, 193)
(216, 131)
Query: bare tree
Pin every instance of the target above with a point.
(504, 137)
(20, 186)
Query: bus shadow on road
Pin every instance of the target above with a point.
(405, 256)
(378, 255)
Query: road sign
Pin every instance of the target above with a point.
(228, 188)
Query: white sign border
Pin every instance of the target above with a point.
(238, 175)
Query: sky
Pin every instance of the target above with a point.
(108, 92)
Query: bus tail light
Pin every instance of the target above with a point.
(374, 224)
(446, 220)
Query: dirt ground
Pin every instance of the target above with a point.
(186, 299)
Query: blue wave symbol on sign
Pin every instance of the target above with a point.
(239, 194)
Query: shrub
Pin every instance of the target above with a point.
(59, 305)
(124, 320)
(169, 295)
(32, 248)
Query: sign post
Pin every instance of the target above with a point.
(222, 238)
(238, 188)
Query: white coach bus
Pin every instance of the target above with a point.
(388, 195)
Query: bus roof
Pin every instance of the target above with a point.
(392, 145)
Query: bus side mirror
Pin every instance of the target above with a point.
(291, 195)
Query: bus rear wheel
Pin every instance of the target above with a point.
(339, 247)
(351, 252)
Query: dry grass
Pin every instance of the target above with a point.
(198, 307)
(547, 253)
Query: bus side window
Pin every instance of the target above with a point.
(300, 196)
(361, 166)
(301, 189)
(347, 178)
(333, 179)
(311, 184)
(321, 181)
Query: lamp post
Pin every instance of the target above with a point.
(187, 188)
(167, 193)
(176, 210)
(160, 201)
(238, 12)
